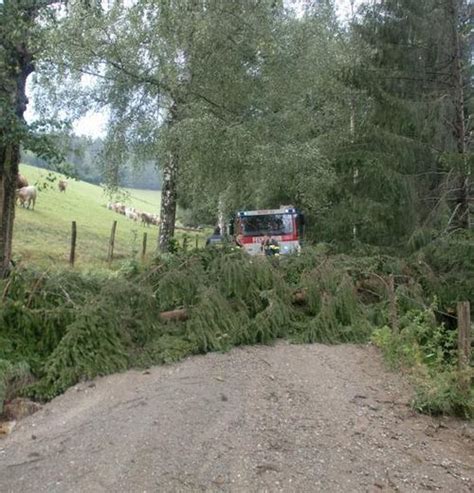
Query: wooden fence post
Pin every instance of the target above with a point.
(110, 254)
(392, 307)
(185, 242)
(144, 246)
(464, 344)
(72, 254)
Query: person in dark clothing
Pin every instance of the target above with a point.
(270, 246)
(215, 238)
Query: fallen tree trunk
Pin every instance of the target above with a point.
(182, 314)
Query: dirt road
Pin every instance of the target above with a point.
(282, 418)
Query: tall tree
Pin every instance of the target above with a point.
(275, 146)
(22, 27)
(460, 22)
(414, 76)
(160, 66)
(17, 34)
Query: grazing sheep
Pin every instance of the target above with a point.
(27, 195)
(62, 185)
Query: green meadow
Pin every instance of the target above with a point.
(42, 237)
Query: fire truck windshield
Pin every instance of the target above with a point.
(275, 224)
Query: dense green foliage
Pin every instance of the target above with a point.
(60, 328)
(428, 352)
(410, 127)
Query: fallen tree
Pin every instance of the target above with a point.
(64, 327)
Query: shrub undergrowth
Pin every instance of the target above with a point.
(428, 352)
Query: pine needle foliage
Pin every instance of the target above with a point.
(179, 287)
(167, 348)
(274, 321)
(59, 328)
(138, 308)
(446, 267)
(90, 347)
(215, 324)
(244, 279)
(337, 315)
(30, 334)
(294, 266)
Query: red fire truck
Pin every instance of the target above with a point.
(283, 228)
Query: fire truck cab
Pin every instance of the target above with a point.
(283, 227)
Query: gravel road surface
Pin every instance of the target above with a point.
(283, 418)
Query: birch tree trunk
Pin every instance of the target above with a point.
(169, 193)
(168, 203)
(221, 215)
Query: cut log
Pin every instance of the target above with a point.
(178, 315)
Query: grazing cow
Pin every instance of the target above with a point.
(62, 185)
(147, 219)
(21, 181)
(27, 195)
(131, 214)
(134, 214)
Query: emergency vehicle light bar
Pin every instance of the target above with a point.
(267, 212)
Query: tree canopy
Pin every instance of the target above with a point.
(365, 125)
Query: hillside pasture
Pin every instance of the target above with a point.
(42, 237)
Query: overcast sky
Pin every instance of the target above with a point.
(94, 124)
